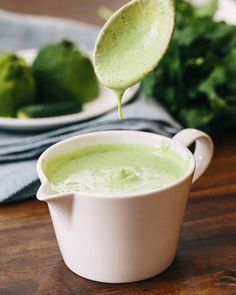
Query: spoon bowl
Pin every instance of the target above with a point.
(133, 41)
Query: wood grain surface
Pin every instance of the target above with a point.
(30, 260)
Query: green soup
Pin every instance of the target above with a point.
(115, 169)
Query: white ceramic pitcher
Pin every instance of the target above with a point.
(119, 239)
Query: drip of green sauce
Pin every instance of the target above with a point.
(119, 95)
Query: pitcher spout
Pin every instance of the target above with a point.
(60, 205)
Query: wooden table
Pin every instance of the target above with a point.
(30, 261)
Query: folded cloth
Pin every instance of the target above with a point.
(19, 151)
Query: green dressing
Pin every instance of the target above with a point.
(115, 169)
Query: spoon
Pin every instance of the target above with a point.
(132, 43)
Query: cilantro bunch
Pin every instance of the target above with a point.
(196, 81)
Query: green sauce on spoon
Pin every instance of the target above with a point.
(132, 43)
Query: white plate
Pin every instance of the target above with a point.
(105, 102)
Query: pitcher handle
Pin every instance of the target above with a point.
(203, 149)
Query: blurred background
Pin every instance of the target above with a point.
(193, 82)
(83, 10)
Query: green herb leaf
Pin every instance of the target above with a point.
(196, 81)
